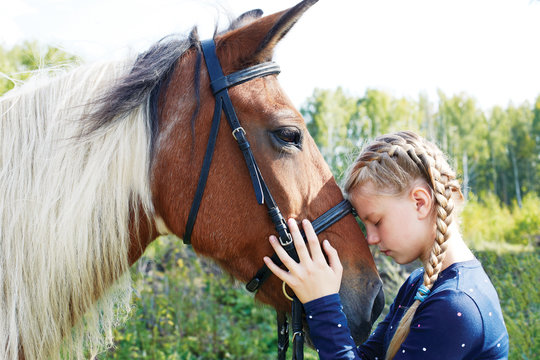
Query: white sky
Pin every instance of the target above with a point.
(488, 49)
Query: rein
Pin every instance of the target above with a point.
(219, 84)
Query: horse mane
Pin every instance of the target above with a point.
(74, 166)
(64, 216)
(144, 83)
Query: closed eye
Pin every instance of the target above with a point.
(288, 137)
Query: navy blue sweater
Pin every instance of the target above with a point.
(461, 319)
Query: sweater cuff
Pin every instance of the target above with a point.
(322, 303)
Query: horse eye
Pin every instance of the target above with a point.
(288, 136)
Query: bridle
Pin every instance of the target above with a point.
(219, 84)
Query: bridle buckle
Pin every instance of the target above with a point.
(287, 241)
(238, 129)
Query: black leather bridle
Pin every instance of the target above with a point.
(219, 84)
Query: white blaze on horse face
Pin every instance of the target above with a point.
(161, 227)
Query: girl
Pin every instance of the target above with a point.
(403, 190)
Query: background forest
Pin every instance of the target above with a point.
(186, 308)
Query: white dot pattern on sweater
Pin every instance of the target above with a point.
(461, 316)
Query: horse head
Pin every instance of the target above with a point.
(231, 227)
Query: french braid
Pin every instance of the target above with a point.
(393, 162)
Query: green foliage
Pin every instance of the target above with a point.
(329, 113)
(515, 277)
(186, 308)
(18, 63)
(493, 152)
(488, 223)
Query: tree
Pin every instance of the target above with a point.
(521, 149)
(378, 107)
(328, 114)
(462, 132)
(536, 137)
(496, 152)
(497, 138)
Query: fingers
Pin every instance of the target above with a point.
(306, 260)
(282, 254)
(279, 272)
(313, 241)
(333, 258)
(299, 244)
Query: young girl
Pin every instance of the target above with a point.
(403, 191)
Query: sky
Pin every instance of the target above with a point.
(486, 49)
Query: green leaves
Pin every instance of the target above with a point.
(493, 151)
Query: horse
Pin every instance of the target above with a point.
(97, 161)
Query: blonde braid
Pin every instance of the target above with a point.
(442, 180)
(394, 161)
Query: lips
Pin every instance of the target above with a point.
(385, 252)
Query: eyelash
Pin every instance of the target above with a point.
(288, 137)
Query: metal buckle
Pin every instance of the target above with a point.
(299, 333)
(286, 242)
(238, 129)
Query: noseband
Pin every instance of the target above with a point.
(219, 84)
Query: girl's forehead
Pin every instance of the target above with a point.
(365, 202)
(368, 200)
(369, 191)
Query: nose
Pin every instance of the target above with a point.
(372, 237)
(362, 311)
(378, 305)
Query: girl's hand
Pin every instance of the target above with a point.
(312, 278)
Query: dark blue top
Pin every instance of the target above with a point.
(461, 319)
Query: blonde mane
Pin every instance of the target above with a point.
(64, 215)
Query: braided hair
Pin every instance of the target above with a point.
(394, 162)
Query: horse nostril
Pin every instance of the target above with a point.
(378, 302)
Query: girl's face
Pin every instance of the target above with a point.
(401, 226)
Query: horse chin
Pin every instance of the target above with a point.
(359, 326)
(362, 308)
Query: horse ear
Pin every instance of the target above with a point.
(246, 18)
(255, 42)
